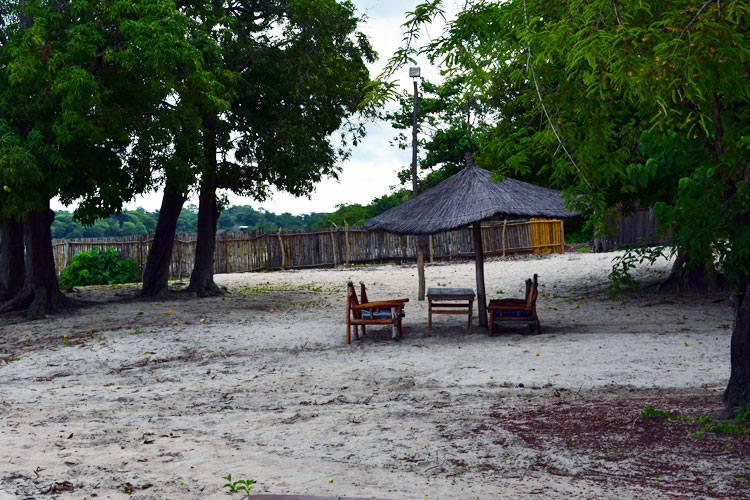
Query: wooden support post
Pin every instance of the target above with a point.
(281, 249)
(419, 240)
(348, 248)
(479, 256)
(225, 246)
(395, 319)
(505, 225)
(562, 236)
(432, 251)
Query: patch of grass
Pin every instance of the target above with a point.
(67, 343)
(704, 424)
(265, 287)
(743, 414)
(650, 413)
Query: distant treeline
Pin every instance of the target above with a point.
(235, 218)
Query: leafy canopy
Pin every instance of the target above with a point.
(79, 81)
(644, 101)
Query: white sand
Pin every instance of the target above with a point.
(281, 398)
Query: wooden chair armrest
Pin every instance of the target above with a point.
(382, 303)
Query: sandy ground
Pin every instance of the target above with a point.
(113, 400)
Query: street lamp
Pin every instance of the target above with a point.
(414, 72)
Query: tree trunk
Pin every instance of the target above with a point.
(697, 278)
(41, 292)
(11, 259)
(156, 273)
(736, 395)
(202, 277)
(603, 243)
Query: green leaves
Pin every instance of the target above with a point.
(244, 485)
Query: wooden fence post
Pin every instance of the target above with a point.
(281, 248)
(562, 236)
(225, 249)
(505, 225)
(66, 254)
(333, 245)
(348, 248)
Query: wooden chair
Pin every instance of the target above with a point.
(363, 313)
(517, 310)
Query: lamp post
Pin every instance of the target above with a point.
(414, 72)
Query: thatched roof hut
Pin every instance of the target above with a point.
(470, 197)
(467, 197)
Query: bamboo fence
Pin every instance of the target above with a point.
(255, 250)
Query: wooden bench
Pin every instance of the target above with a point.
(359, 314)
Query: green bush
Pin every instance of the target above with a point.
(98, 267)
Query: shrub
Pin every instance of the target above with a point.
(98, 267)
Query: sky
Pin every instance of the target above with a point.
(371, 169)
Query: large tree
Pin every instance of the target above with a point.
(77, 79)
(641, 101)
(298, 75)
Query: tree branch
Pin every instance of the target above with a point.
(617, 14)
(530, 65)
(691, 23)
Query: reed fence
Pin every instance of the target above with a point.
(344, 246)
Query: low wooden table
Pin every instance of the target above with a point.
(449, 301)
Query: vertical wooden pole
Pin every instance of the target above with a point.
(419, 240)
(348, 248)
(432, 251)
(420, 266)
(505, 225)
(562, 236)
(281, 249)
(225, 246)
(479, 256)
(333, 245)
(395, 319)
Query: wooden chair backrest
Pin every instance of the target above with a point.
(531, 291)
(363, 292)
(351, 299)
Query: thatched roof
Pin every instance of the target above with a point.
(468, 197)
